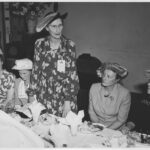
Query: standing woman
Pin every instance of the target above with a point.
(7, 80)
(109, 101)
(54, 78)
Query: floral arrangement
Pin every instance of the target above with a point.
(30, 10)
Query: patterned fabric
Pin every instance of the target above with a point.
(110, 109)
(52, 87)
(6, 82)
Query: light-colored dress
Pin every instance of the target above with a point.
(21, 96)
(106, 110)
(51, 86)
(7, 81)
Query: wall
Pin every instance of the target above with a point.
(116, 32)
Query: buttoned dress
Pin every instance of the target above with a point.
(52, 87)
(108, 109)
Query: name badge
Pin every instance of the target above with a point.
(61, 65)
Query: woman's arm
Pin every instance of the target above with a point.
(92, 114)
(10, 95)
(71, 82)
(36, 70)
(16, 99)
(123, 112)
(10, 102)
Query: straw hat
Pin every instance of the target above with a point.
(48, 18)
(23, 64)
(120, 70)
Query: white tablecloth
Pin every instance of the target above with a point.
(14, 135)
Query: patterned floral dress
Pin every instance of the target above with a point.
(7, 81)
(51, 86)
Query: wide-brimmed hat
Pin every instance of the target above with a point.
(48, 18)
(120, 70)
(23, 64)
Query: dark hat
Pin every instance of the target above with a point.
(120, 70)
(48, 18)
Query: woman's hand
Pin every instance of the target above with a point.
(8, 107)
(66, 108)
(125, 130)
(130, 125)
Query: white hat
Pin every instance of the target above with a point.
(23, 64)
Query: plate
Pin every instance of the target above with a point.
(90, 128)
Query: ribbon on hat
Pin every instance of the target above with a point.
(120, 70)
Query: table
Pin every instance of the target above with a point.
(58, 134)
(15, 135)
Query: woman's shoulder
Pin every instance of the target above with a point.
(40, 44)
(8, 74)
(8, 78)
(69, 41)
(123, 89)
(96, 85)
(40, 40)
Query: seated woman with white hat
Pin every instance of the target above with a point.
(22, 84)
